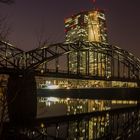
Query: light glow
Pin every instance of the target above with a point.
(53, 99)
(52, 87)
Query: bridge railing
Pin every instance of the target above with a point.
(110, 124)
(75, 75)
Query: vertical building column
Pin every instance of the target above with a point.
(87, 62)
(68, 64)
(56, 60)
(78, 62)
(118, 66)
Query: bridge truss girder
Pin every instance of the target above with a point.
(121, 62)
(11, 58)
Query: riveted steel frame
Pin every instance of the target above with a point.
(10, 58)
(122, 63)
(120, 60)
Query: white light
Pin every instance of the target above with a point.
(53, 87)
(48, 85)
(68, 99)
(53, 99)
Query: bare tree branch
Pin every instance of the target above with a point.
(4, 24)
(7, 1)
(3, 104)
(41, 36)
(5, 28)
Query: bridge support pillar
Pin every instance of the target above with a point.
(22, 98)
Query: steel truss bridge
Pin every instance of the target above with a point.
(53, 61)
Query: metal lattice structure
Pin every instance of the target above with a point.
(11, 58)
(122, 64)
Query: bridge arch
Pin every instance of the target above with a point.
(107, 61)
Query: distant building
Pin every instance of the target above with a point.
(86, 26)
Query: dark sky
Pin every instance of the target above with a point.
(29, 18)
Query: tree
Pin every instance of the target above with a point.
(7, 1)
(5, 28)
(3, 103)
(4, 32)
(41, 36)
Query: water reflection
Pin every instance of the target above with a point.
(90, 128)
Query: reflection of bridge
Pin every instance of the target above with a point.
(22, 68)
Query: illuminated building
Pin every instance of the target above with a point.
(86, 26)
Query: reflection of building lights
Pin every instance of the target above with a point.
(42, 71)
(53, 99)
(49, 104)
(42, 125)
(67, 99)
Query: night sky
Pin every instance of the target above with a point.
(30, 19)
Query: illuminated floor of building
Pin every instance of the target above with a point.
(51, 83)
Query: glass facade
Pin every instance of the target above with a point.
(86, 26)
(63, 83)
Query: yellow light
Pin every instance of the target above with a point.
(42, 125)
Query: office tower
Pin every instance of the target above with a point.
(86, 26)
